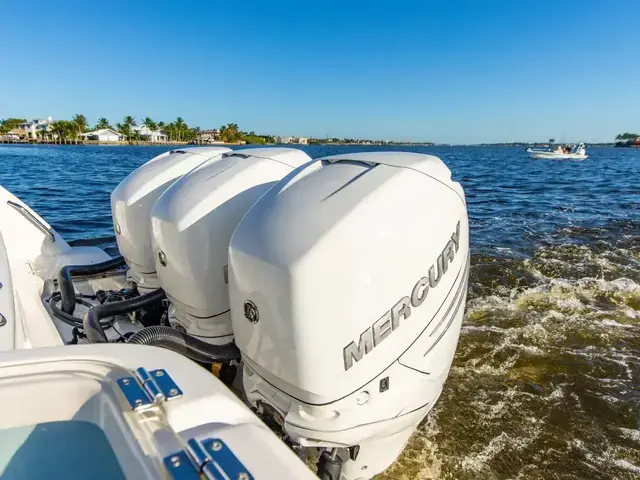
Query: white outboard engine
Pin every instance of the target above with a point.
(133, 198)
(192, 223)
(348, 283)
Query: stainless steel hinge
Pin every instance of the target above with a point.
(148, 388)
(210, 458)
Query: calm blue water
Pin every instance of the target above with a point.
(546, 380)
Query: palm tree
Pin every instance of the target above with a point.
(229, 133)
(161, 127)
(180, 127)
(55, 131)
(102, 123)
(196, 134)
(70, 130)
(124, 130)
(125, 126)
(129, 121)
(81, 124)
(64, 130)
(151, 125)
(58, 129)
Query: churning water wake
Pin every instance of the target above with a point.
(546, 379)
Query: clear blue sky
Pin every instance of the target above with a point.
(444, 71)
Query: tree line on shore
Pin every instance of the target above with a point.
(628, 139)
(178, 130)
(61, 130)
(8, 124)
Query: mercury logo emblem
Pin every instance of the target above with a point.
(390, 321)
(251, 312)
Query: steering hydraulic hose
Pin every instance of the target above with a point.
(67, 292)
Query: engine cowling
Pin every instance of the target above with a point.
(133, 198)
(347, 286)
(192, 223)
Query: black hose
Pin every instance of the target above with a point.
(66, 284)
(70, 319)
(77, 335)
(91, 323)
(185, 344)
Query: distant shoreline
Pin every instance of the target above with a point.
(119, 144)
(293, 145)
(216, 144)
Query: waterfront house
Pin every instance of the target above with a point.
(303, 141)
(149, 135)
(209, 136)
(32, 128)
(104, 135)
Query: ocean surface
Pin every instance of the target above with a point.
(546, 379)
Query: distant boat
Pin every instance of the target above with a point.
(571, 152)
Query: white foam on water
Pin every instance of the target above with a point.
(625, 284)
(529, 349)
(423, 452)
(617, 357)
(485, 368)
(489, 409)
(625, 465)
(483, 328)
(478, 462)
(607, 457)
(557, 393)
(609, 398)
(506, 388)
(486, 303)
(431, 462)
(630, 434)
(612, 323)
(534, 331)
(570, 303)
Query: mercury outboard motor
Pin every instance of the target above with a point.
(192, 223)
(133, 198)
(347, 283)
